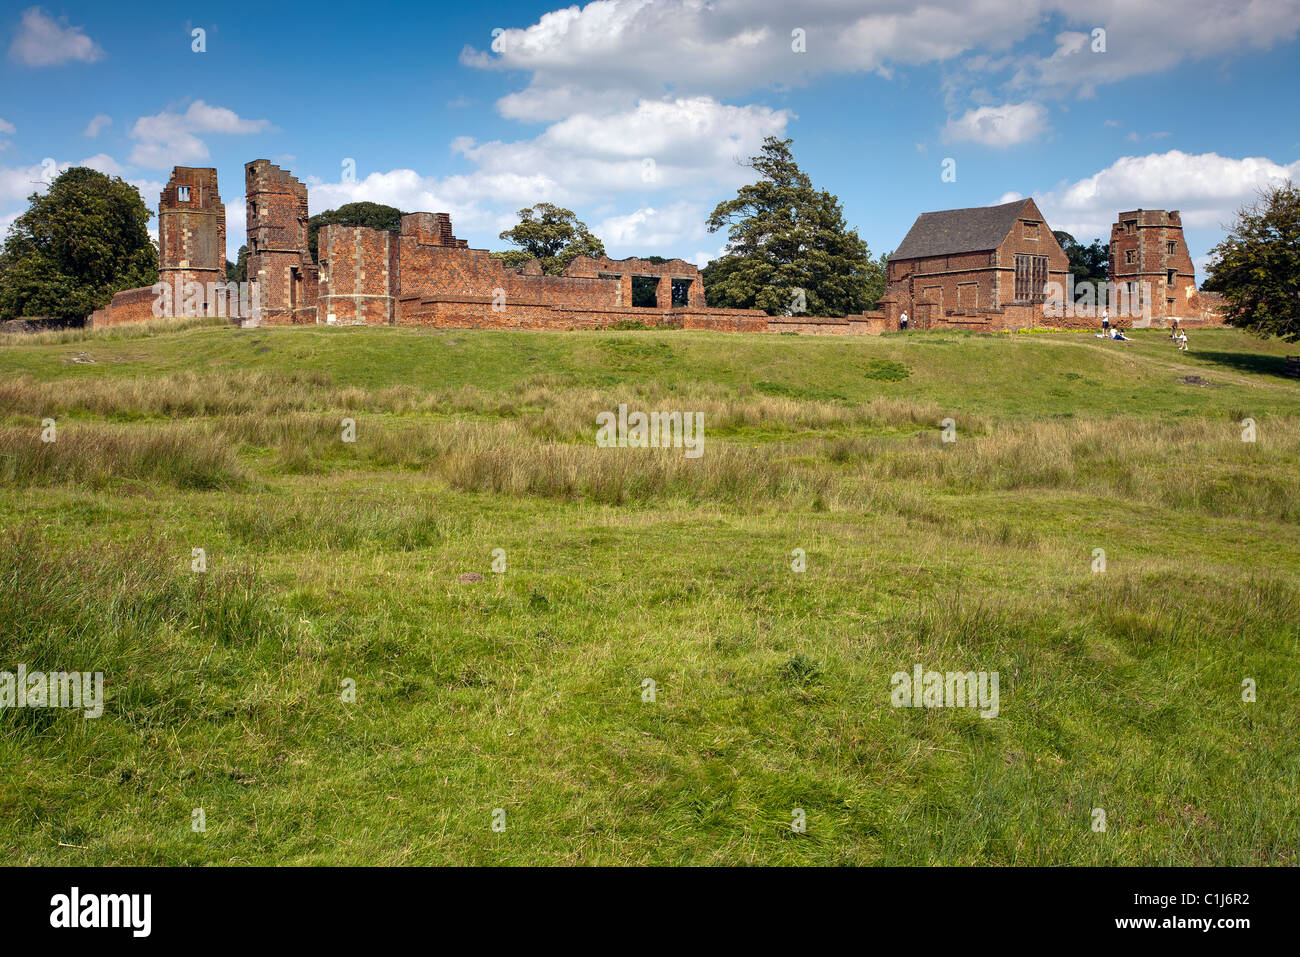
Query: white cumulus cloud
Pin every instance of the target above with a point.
(168, 139)
(43, 41)
(1206, 188)
(998, 126)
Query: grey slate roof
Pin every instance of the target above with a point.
(952, 231)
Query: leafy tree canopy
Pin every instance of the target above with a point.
(551, 234)
(1257, 266)
(1088, 264)
(784, 237)
(238, 270)
(84, 239)
(372, 215)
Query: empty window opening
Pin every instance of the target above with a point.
(681, 292)
(644, 292)
(1129, 255)
(1130, 226)
(1169, 248)
(182, 194)
(1171, 276)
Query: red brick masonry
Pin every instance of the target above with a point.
(982, 269)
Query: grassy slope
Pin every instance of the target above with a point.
(523, 692)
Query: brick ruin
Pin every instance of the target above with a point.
(423, 275)
(982, 268)
(191, 228)
(191, 245)
(1147, 248)
(278, 258)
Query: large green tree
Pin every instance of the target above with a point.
(1088, 264)
(371, 215)
(551, 234)
(1257, 266)
(84, 239)
(789, 249)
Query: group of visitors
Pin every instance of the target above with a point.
(1107, 332)
(1176, 333)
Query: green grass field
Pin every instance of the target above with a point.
(331, 562)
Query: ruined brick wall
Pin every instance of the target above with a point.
(1203, 308)
(278, 258)
(191, 227)
(482, 312)
(721, 320)
(433, 264)
(129, 305)
(1147, 246)
(431, 229)
(358, 276)
(664, 273)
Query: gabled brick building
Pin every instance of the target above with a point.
(973, 263)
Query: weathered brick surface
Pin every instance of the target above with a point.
(931, 287)
(130, 305)
(278, 258)
(358, 281)
(191, 245)
(191, 228)
(424, 275)
(1147, 246)
(624, 269)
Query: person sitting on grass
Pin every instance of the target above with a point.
(1117, 334)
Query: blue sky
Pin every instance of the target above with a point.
(635, 112)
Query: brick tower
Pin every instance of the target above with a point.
(1147, 246)
(278, 257)
(191, 228)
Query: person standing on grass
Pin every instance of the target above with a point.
(1105, 322)
(1182, 341)
(902, 321)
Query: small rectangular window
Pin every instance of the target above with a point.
(182, 194)
(1130, 225)
(1169, 248)
(1171, 276)
(1031, 230)
(1129, 255)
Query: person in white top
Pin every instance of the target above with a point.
(902, 320)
